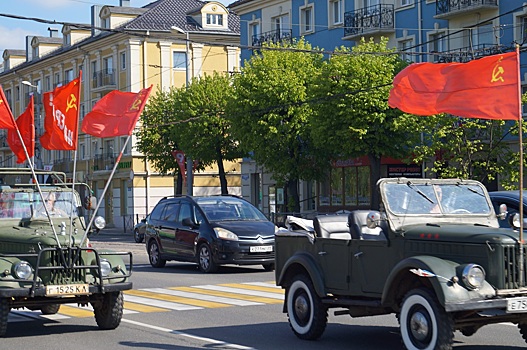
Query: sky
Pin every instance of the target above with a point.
(14, 31)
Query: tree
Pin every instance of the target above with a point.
(353, 117)
(205, 133)
(157, 136)
(271, 116)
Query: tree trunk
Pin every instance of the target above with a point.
(179, 184)
(375, 175)
(293, 198)
(223, 178)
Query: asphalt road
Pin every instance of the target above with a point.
(178, 307)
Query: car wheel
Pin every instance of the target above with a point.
(5, 308)
(424, 324)
(205, 260)
(138, 237)
(50, 309)
(268, 267)
(154, 255)
(109, 311)
(308, 317)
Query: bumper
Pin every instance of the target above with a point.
(240, 254)
(41, 291)
(487, 304)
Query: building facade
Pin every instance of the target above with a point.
(164, 44)
(422, 30)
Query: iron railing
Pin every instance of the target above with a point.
(274, 36)
(103, 78)
(369, 18)
(466, 54)
(449, 6)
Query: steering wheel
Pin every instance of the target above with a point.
(460, 211)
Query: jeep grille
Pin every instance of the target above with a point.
(511, 276)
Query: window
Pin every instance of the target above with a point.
(82, 153)
(306, 19)
(282, 25)
(8, 98)
(17, 93)
(214, 19)
(68, 75)
(349, 186)
(406, 2)
(127, 149)
(336, 11)
(179, 60)
(368, 3)
(437, 44)
(34, 52)
(480, 37)
(38, 85)
(403, 47)
(108, 65)
(57, 80)
(47, 83)
(122, 58)
(254, 30)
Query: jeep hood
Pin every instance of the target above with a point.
(461, 233)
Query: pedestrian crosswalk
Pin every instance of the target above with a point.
(147, 300)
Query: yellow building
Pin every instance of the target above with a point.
(128, 49)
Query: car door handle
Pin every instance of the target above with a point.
(357, 255)
(322, 253)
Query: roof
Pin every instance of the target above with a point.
(16, 52)
(48, 40)
(126, 10)
(168, 13)
(240, 2)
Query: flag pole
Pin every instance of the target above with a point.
(101, 198)
(74, 166)
(520, 127)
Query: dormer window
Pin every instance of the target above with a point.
(214, 19)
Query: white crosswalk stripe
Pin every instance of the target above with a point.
(202, 297)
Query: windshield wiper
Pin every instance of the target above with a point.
(412, 186)
(471, 189)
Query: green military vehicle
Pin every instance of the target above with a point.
(434, 256)
(45, 256)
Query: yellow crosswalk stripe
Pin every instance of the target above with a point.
(228, 295)
(253, 287)
(175, 299)
(74, 311)
(142, 308)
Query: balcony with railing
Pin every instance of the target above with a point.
(104, 80)
(274, 37)
(452, 8)
(466, 54)
(371, 20)
(104, 161)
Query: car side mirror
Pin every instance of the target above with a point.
(503, 211)
(188, 222)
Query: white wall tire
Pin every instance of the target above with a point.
(307, 315)
(424, 324)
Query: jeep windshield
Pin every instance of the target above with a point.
(15, 204)
(436, 199)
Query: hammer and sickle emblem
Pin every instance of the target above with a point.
(136, 104)
(497, 72)
(71, 103)
(1, 101)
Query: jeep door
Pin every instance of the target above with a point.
(372, 262)
(186, 236)
(334, 258)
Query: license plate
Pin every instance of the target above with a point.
(261, 249)
(517, 305)
(67, 289)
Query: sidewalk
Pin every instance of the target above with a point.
(113, 234)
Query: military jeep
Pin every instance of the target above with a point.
(45, 256)
(433, 255)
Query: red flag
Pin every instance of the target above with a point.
(115, 114)
(62, 117)
(7, 121)
(26, 125)
(486, 88)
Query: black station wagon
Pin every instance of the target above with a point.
(209, 231)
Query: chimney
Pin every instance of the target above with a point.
(124, 3)
(95, 19)
(53, 32)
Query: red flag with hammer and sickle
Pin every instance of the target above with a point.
(486, 88)
(62, 117)
(115, 114)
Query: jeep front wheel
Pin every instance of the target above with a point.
(307, 315)
(50, 309)
(424, 324)
(5, 308)
(109, 310)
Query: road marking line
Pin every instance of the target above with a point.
(74, 311)
(176, 299)
(159, 303)
(185, 294)
(271, 285)
(142, 308)
(216, 343)
(260, 300)
(257, 286)
(246, 291)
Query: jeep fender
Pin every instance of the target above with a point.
(6, 264)
(401, 280)
(302, 263)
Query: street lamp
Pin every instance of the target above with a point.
(190, 175)
(37, 106)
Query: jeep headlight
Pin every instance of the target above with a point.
(23, 270)
(99, 222)
(473, 276)
(106, 267)
(225, 234)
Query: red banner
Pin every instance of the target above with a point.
(7, 121)
(115, 114)
(487, 88)
(179, 156)
(26, 125)
(62, 117)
